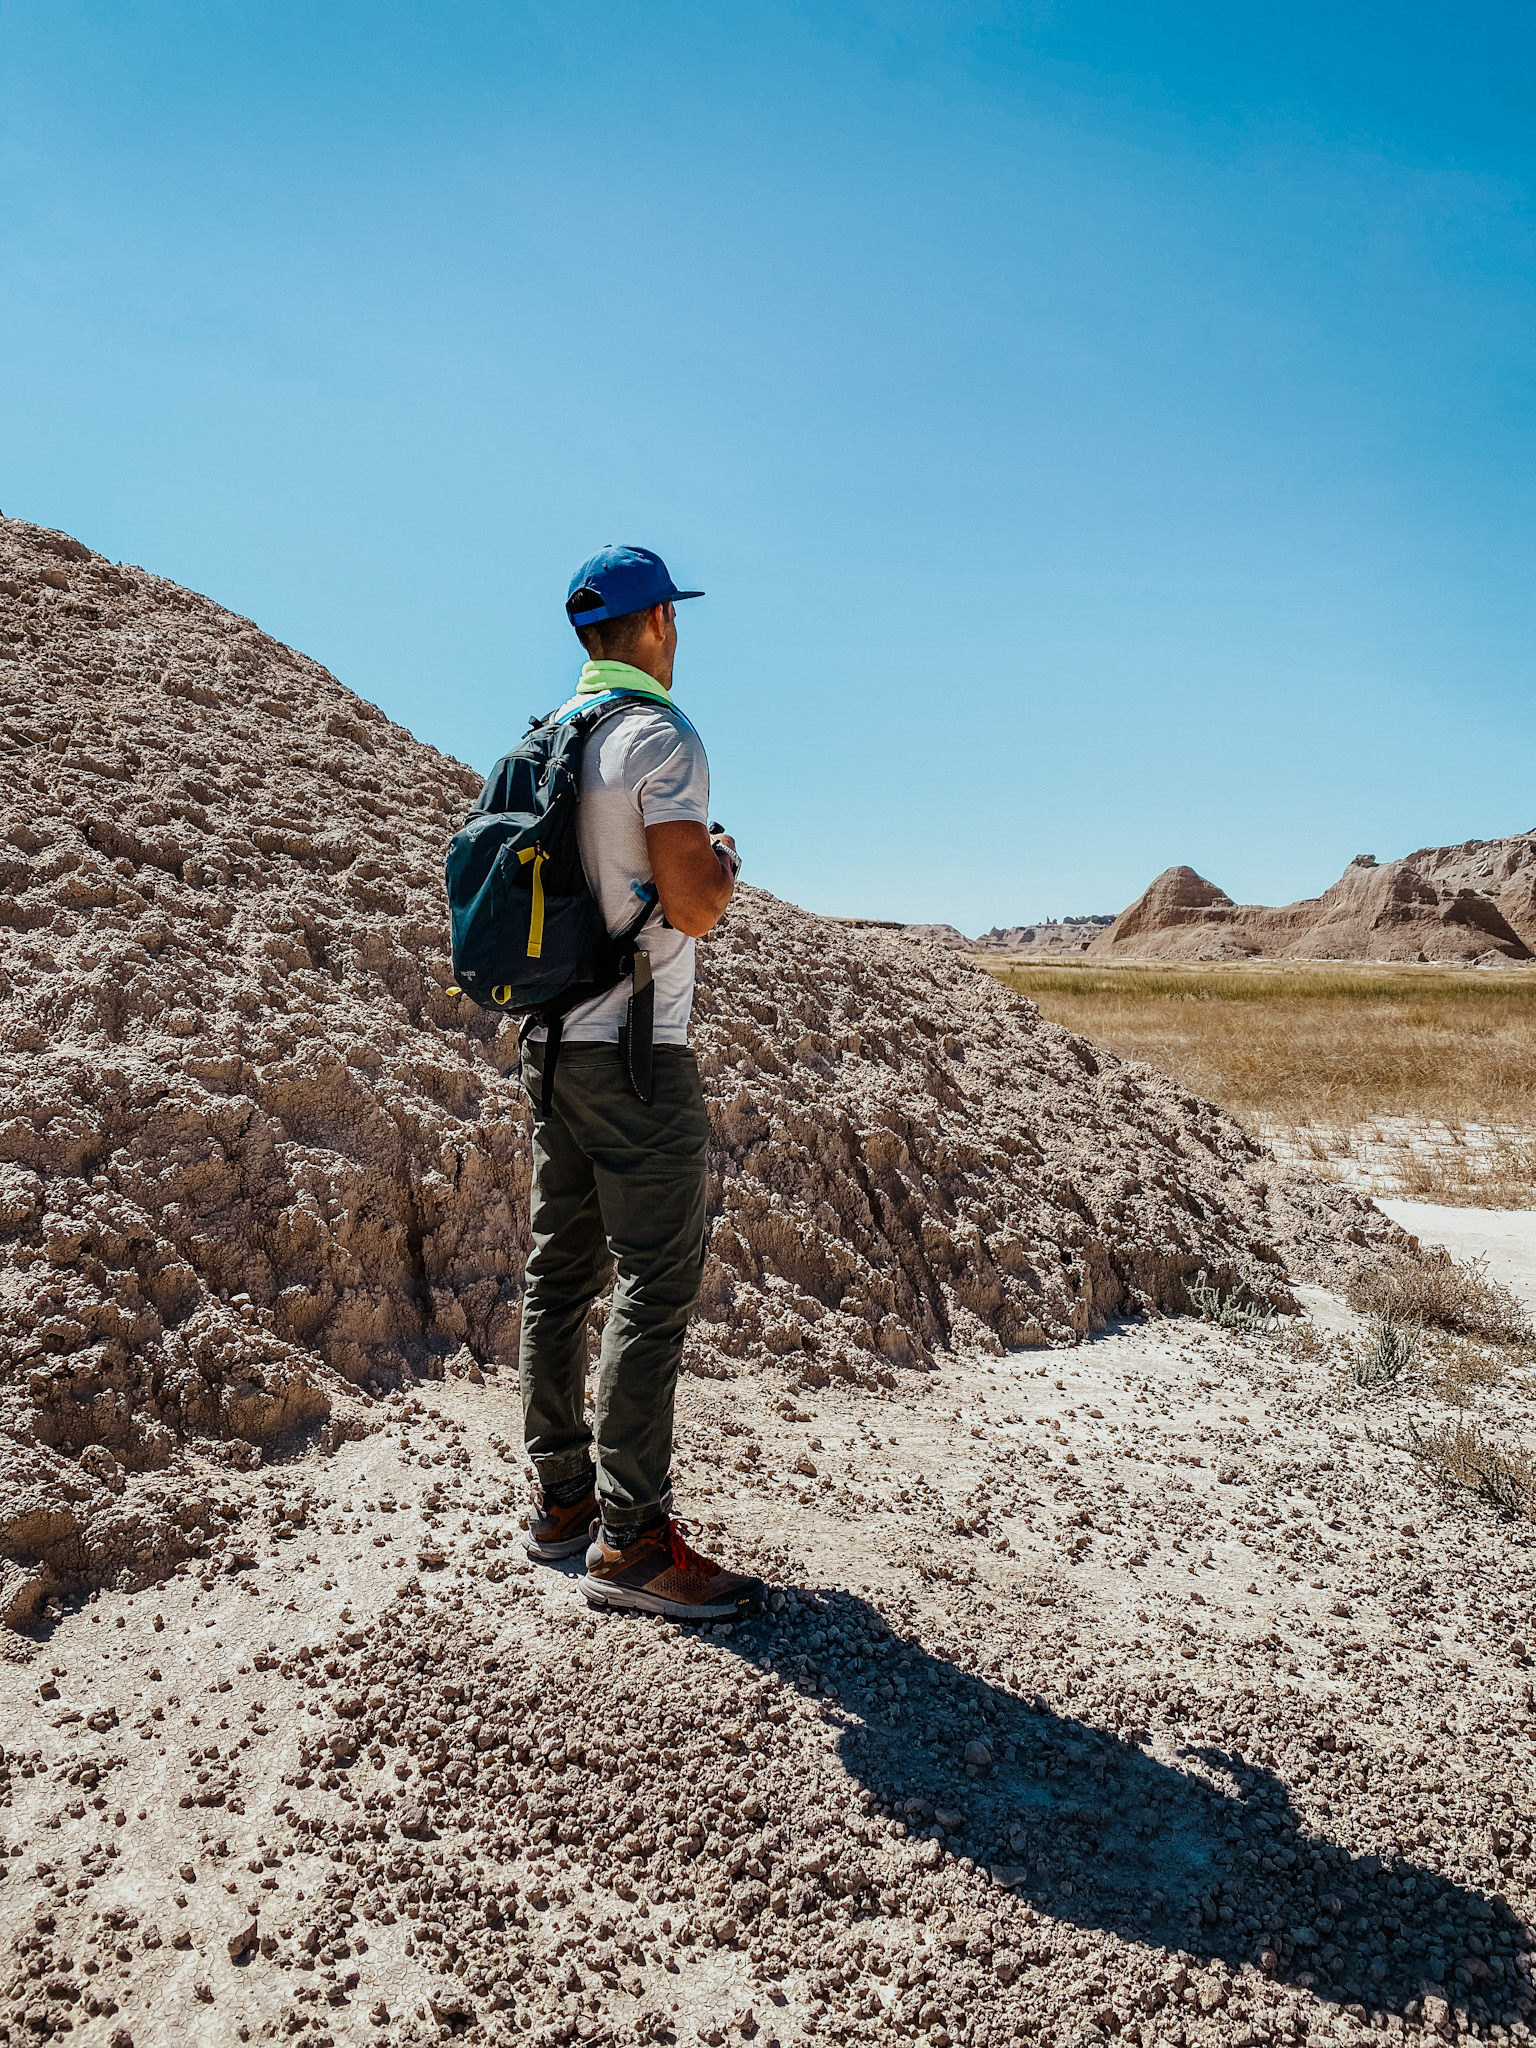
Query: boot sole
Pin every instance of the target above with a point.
(601, 1594)
(551, 1553)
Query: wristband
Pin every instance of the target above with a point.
(730, 854)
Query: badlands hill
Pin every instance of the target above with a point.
(1457, 904)
(257, 1166)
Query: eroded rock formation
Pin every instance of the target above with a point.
(256, 1164)
(1456, 904)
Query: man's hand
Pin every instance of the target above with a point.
(693, 881)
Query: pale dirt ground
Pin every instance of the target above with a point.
(1257, 1698)
(1378, 1158)
(1506, 1238)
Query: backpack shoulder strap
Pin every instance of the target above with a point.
(581, 710)
(610, 702)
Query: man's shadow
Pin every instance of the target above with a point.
(1204, 1856)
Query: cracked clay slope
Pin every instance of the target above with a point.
(256, 1164)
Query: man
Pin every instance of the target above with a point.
(618, 1183)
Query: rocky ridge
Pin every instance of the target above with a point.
(1054, 935)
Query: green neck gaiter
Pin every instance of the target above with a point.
(599, 676)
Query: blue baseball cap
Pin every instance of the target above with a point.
(620, 581)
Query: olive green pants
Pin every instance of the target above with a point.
(618, 1186)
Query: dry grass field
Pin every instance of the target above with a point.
(1417, 1082)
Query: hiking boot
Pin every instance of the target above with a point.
(658, 1573)
(555, 1531)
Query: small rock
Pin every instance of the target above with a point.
(188, 1874)
(245, 1936)
(949, 1821)
(413, 1821)
(979, 1755)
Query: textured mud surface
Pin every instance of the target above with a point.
(258, 1168)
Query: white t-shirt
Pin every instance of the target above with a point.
(643, 766)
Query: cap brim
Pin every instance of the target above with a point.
(684, 593)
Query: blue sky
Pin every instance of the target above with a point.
(1105, 432)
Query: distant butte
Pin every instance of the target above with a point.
(1460, 905)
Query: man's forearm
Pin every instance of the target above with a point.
(694, 875)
